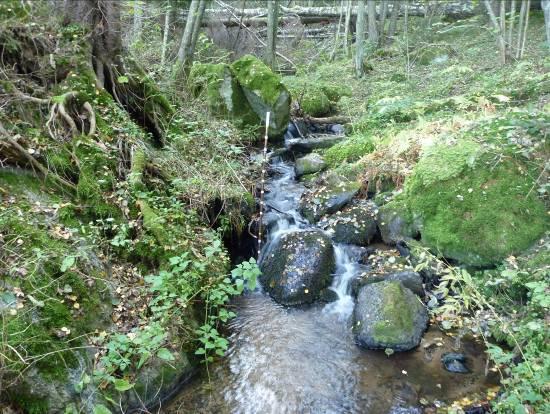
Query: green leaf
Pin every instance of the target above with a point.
(67, 263)
(122, 79)
(122, 385)
(101, 409)
(165, 354)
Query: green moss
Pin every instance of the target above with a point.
(310, 96)
(224, 95)
(254, 75)
(477, 214)
(351, 149)
(397, 315)
(135, 178)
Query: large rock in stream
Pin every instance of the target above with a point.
(297, 267)
(332, 192)
(355, 224)
(388, 315)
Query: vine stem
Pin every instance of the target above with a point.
(262, 183)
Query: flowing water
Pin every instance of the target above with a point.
(304, 360)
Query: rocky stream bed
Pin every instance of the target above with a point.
(323, 333)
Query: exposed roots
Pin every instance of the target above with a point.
(64, 111)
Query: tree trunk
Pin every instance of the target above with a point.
(373, 30)
(523, 16)
(188, 32)
(165, 34)
(347, 24)
(337, 36)
(545, 4)
(272, 25)
(500, 33)
(524, 32)
(122, 78)
(511, 28)
(360, 39)
(196, 30)
(383, 13)
(393, 19)
(136, 30)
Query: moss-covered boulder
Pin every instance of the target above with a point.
(314, 97)
(264, 92)
(355, 224)
(332, 192)
(224, 94)
(388, 315)
(297, 266)
(473, 207)
(309, 164)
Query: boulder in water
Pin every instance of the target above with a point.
(388, 315)
(309, 164)
(264, 92)
(297, 266)
(455, 363)
(411, 280)
(355, 224)
(333, 192)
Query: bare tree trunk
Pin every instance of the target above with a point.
(523, 16)
(498, 28)
(337, 36)
(188, 32)
(545, 4)
(347, 23)
(373, 30)
(196, 30)
(406, 35)
(524, 32)
(360, 39)
(383, 13)
(136, 30)
(393, 19)
(272, 25)
(511, 28)
(165, 34)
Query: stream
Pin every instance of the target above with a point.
(305, 360)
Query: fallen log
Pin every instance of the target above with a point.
(307, 15)
(337, 119)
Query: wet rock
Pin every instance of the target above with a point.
(355, 224)
(331, 194)
(455, 363)
(306, 145)
(264, 92)
(309, 164)
(395, 223)
(328, 295)
(297, 267)
(411, 280)
(388, 315)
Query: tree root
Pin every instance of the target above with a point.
(60, 111)
(33, 161)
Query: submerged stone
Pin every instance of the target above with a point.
(455, 363)
(264, 92)
(297, 266)
(388, 315)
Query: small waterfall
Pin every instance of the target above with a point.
(346, 269)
